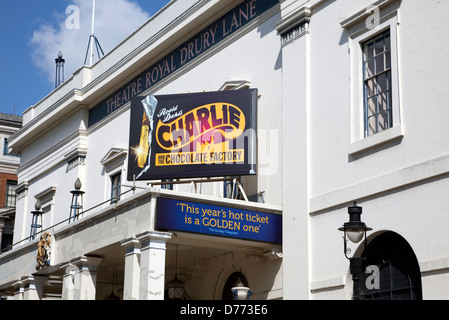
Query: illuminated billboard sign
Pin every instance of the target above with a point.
(193, 135)
(217, 220)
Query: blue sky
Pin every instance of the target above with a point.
(33, 32)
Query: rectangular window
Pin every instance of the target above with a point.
(10, 194)
(6, 149)
(378, 109)
(167, 186)
(116, 183)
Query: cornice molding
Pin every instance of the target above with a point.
(294, 25)
(113, 155)
(125, 68)
(80, 134)
(301, 16)
(365, 13)
(192, 64)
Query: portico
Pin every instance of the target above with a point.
(118, 252)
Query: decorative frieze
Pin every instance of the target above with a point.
(22, 190)
(76, 158)
(294, 26)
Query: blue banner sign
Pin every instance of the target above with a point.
(178, 215)
(221, 29)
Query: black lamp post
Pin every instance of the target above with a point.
(76, 208)
(355, 230)
(36, 223)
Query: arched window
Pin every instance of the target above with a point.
(237, 279)
(399, 273)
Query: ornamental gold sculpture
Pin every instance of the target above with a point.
(43, 251)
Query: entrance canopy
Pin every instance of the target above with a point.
(151, 228)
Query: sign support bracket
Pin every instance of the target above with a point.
(194, 182)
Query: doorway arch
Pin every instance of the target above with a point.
(236, 279)
(399, 275)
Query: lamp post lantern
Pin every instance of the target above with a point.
(36, 224)
(355, 230)
(76, 208)
(59, 70)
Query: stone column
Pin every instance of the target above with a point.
(33, 287)
(68, 282)
(19, 289)
(152, 265)
(132, 269)
(79, 280)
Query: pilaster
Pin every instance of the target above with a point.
(33, 287)
(152, 265)
(19, 289)
(294, 34)
(132, 269)
(79, 280)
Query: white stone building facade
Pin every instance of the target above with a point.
(351, 107)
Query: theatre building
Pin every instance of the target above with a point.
(216, 152)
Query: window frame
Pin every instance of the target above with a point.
(399, 272)
(357, 37)
(10, 185)
(6, 149)
(378, 89)
(115, 197)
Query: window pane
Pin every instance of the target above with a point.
(370, 88)
(379, 46)
(115, 187)
(382, 83)
(380, 63)
(372, 106)
(370, 69)
(5, 147)
(387, 41)
(372, 125)
(369, 50)
(388, 60)
(385, 116)
(383, 102)
(383, 120)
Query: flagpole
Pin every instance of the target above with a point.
(92, 37)
(93, 41)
